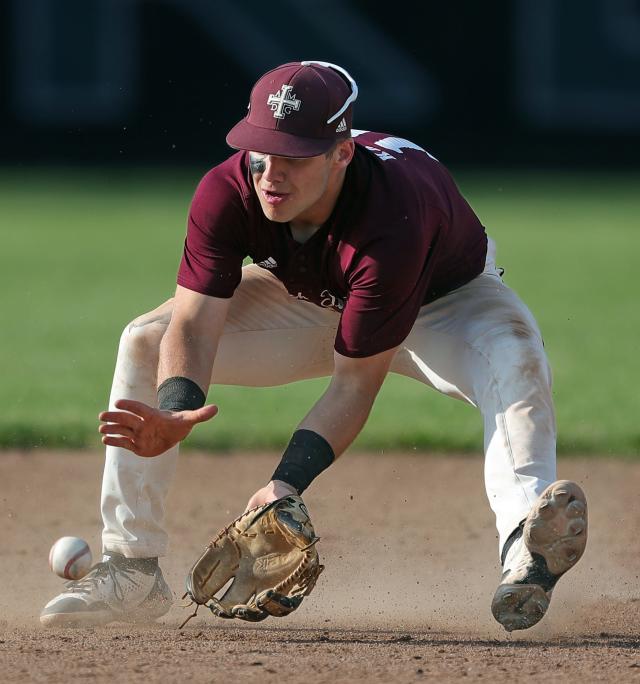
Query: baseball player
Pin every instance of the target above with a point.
(366, 260)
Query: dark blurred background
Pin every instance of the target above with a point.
(526, 82)
(111, 110)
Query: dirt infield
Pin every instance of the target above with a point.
(411, 566)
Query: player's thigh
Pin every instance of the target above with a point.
(478, 339)
(271, 338)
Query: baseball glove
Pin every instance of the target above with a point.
(269, 554)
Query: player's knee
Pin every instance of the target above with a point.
(141, 338)
(516, 373)
(533, 367)
(530, 386)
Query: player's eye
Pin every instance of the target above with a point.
(257, 162)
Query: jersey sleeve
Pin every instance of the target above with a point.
(215, 244)
(387, 288)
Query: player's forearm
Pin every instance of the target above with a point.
(183, 353)
(188, 349)
(325, 433)
(335, 420)
(341, 412)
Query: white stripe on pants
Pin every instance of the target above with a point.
(479, 344)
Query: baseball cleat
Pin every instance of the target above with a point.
(551, 541)
(116, 589)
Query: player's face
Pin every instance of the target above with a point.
(299, 190)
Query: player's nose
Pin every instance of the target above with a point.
(274, 169)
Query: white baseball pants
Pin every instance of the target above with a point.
(478, 343)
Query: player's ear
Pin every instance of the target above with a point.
(344, 152)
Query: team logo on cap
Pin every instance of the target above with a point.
(283, 102)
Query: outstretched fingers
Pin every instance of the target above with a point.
(116, 429)
(121, 442)
(119, 419)
(136, 407)
(148, 431)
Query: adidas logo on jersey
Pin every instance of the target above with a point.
(268, 263)
(342, 126)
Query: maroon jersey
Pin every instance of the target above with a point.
(400, 236)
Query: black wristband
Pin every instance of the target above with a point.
(306, 456)
(180, 394)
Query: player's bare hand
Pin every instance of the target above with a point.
(276, 489)
(148, 431)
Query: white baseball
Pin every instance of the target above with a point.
(70, 557)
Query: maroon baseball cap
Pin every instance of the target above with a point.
(299, 109)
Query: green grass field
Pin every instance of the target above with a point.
(84, 251)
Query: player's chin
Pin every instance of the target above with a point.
(276, 214)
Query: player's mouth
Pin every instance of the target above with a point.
(274, 198)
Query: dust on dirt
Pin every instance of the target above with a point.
(411, 565)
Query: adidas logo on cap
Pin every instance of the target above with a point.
(342, 126)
